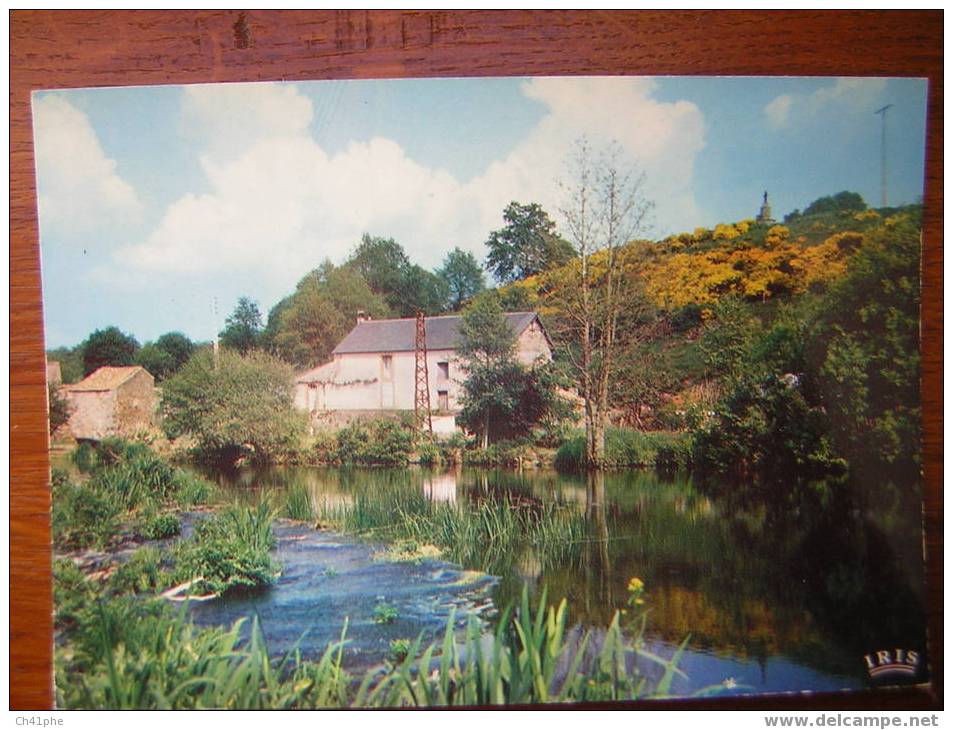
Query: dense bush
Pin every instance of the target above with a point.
(230, 551)
(502, 453)
(82, 516)
(629, 448)
(378, 443)
(235, 406)
(161, 526)
(767, 435)
(830, 386)
(126, 479)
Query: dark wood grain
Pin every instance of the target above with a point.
(65, 49)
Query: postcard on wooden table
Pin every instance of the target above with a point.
(483, 391)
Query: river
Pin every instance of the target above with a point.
(769, 602)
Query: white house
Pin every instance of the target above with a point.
(373, 369)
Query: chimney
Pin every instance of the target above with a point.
(362, 316)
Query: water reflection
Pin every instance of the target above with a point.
(441, 487)
(789, 601)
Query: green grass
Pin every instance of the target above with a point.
(629, 448)
(126, 483)
(159, 526)
(127, 654)
(481, 536)
(298, 503)
(230, 551)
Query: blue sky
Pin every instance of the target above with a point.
(160, 206)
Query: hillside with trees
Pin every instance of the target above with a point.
(771, 347)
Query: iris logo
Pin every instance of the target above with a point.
(892, 663)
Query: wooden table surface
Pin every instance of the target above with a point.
(66, 49)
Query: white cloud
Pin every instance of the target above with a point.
(79, 187)
(660, 138)
(850, 95)
(778, 109)
(226, 119)
(278, 203)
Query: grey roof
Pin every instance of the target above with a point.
(400, 335)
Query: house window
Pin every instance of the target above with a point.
(443, 370)
(443, 400)
(387, 362)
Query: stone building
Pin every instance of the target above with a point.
(372, 370)
(112, 401)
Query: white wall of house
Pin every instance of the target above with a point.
(533, 345)
(386, 381)
(395, 383)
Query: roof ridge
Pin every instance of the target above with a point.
(436, 316)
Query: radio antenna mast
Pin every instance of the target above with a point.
(882, 111)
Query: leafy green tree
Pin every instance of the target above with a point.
(110, 346)
(488, 345)
(382, 262)
(242, 327)
(485, 336)
(70, 360)
(59, 408)
(501, 397)
(728, 337)
(868, 358)
(321, 312)
(178, 346)
(166, 355)
(526, 245)
(156, 360)
(767, 435)
(269, 335)
(842, 201)
(405, 287)
(420, 290)
(506, 400)
(463, 278)
(233, 405)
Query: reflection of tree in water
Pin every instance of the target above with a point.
(596, 548)
(842, 568)
(820, 584)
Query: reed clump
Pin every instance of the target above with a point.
(130, 654)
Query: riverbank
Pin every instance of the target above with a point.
(121, 644)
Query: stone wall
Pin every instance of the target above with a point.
(136, 404)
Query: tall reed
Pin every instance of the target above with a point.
(477, 535)
(163, 662)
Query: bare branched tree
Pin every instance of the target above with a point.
(605, 207)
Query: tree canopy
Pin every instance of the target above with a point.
(841, 202)
(166, 355)
(405, 287)
(526, 245)
(462, 276)
(232, 404)
(501, 397)
(485, 335)
(242, 327)
(322, 310)
(110, 346)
